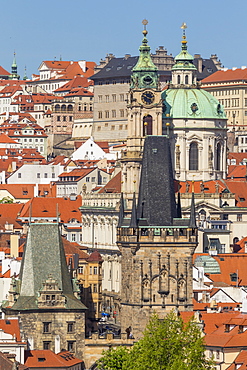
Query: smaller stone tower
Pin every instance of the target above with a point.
(156, 244)
(50, 314)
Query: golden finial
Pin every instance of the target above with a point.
(144, 22)
(183, 27)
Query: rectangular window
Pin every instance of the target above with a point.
(87, 179)
(45, 175)
(80, 270)
(53, 175)
(114, 97)
(95, 270)
(100, 98)
(100, 115)
(46, 345)
(107, 98)
(93, 179)
(38, 175)
(46, 327)
(73, 237)
(112, 127)
(71, 346)
(90, 270)
(64, 118)
(70, 118)
(107, 114)
(121, 112)
(58, 118)
(113, 113)
(70, 327)
(95, 288)
(121, 97)
(239, 217)
(19, 175)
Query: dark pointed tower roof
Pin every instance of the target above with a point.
(133, 220)
(156, 202)
(121, 211)
(179, 211)
(44, 258)
(192, 222)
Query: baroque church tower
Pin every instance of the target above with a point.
(196, 123)
(144, 115)
(156, 244)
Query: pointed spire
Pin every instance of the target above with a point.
(184, 60)
(192, 222)
(14, 75)
(179, 211)
(145, 72)
(121, 211)
(25, 73)
(133, 220)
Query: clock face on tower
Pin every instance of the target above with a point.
(148, 97)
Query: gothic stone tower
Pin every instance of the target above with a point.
(156, 245)
(51, 316)
(144, 116)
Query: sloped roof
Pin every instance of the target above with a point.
(44, 208)
(209, 186)
(72, 248)
(4, 139)
(50, 359)
(238, 74)
(237, 171)
(76, 82)
(7, 364)
(3, 72)
(113, 186)
(18, 191)
(11, 326)
(44, 244)
(231, 263)
(95, 257)
(238, 156)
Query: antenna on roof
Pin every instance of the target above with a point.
(60, 57)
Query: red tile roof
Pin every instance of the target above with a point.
(113, 186)
(11, 326)
(238, 156)
(43, 208)
(237, 74)
(95, 257)
(4, 139)
(63, 360)
(25, 191)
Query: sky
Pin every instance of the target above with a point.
(88, 30)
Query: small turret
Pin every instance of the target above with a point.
(14, 75)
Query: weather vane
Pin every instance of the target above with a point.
(183, 27)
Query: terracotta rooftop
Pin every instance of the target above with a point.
(48, 359)
(238, 74)
(113, 186)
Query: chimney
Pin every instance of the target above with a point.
(199, 62)
(14, 245)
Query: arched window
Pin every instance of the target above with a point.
(218, 156)
(63, 107)
(179, 79)
(148, 125)
(57, 108)
(193, 157)
(186, 79)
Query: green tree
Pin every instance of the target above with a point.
(6, 200)
(166, 344)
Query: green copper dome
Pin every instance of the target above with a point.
(191, 103)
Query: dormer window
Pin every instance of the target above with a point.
(227, 328)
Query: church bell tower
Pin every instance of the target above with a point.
(144, 115)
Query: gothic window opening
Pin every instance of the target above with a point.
(218, 156)
(193, 157)
(147, 125)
